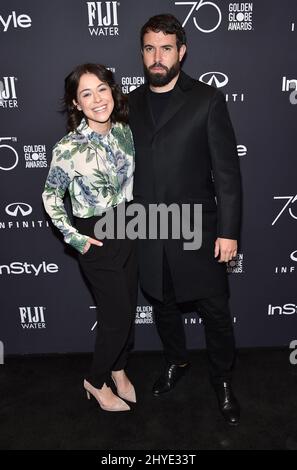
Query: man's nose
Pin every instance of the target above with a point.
(158, 55)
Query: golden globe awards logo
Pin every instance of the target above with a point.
(103, 18)
(240, 16)
(235, 266)
(144, 315)
(35, 156)
(131, 83)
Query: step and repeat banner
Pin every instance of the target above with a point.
(248, 50)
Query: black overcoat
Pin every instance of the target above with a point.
(190, 156)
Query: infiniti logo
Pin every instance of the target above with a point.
(217, 79)
(16, 207)
(293, 255)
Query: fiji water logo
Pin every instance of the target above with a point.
(8, 95)
(103, 18)
(32, 317)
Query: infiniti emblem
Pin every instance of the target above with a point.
(16, 207)
(217, 79)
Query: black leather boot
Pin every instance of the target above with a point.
(169, 378)
(228, 404)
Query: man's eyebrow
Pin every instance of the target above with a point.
(163, 45)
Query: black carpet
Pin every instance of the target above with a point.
(44, 406)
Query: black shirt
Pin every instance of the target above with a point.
(158, 102)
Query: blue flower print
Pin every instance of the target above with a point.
(58, 178)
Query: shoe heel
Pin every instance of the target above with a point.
(88, 395)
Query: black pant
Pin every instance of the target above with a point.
(112, 273)
(217, 324)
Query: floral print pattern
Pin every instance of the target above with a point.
(97, 170)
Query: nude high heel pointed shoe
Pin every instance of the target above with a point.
(98, 394)
(128, 395)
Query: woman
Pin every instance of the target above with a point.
(95, 162)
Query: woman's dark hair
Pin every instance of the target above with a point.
(74, 116)
(166, 23)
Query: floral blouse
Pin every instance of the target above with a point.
(96, 169)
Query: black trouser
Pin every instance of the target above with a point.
(112, 273)
(217, 324)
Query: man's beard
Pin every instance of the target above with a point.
(159, 79)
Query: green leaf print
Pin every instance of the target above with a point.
(90, 156)
(66, 155)
(123, 138)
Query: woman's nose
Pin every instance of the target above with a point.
(97, 97)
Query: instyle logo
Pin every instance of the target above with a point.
(32, 317)
(286, 309)
(14, 21)
(103, 18)
(17, 268)
(291, 86)
(8, 96)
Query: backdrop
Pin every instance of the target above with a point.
(248, 50)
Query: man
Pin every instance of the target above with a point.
(186, 154)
